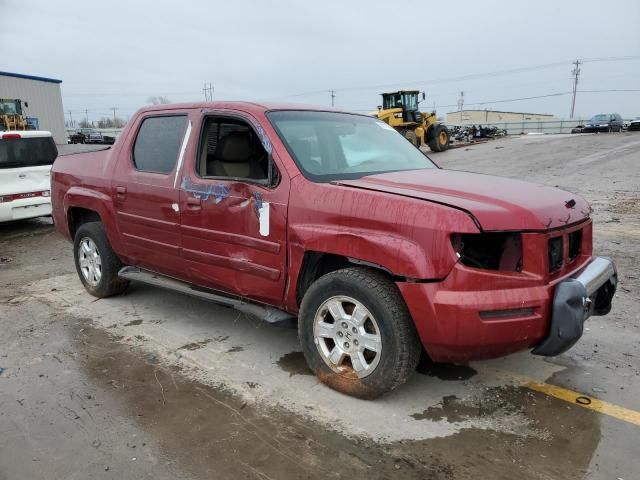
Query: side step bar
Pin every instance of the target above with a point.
(263, 312)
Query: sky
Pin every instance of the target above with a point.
(120, 53)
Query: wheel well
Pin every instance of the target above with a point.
(317, 264)
(77, 216)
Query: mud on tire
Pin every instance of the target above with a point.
(89, 237)
(400, 346)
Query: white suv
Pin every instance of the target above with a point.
(25, 164)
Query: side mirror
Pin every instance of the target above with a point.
(424, 96)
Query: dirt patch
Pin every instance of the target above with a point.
(294, 363)
(622, 204)
(133, 323)
(235, 348)
(207, 431)
(195, 345)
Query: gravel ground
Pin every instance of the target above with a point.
(161, 385)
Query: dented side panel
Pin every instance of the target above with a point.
(407, 237)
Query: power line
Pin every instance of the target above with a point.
(558, 94)
(610, 90)
(473, 76)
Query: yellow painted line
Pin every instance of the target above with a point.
(586, 401)
(569, 396)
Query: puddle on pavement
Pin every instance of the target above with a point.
(505, 400)
(294, 363)
(207, 431)
(450, 409)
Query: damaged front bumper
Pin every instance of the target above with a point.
(588, 292)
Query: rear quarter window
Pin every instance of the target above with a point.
(158, 143)
(27, 152)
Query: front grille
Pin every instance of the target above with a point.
(555, 253)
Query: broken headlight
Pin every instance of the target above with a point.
(491, 251)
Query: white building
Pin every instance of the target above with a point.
(41, 98)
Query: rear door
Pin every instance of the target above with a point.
(233, 218)
(145, 191)
(25, 166)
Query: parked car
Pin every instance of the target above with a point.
(604, 122)
(25, 164)
(90, 135)
(634, 125)
(378, 252)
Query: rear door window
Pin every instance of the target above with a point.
(158, 143)
(27, 152)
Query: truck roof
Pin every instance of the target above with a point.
(239, 105)
(26, 133)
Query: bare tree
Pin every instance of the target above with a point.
(108, 122)
(158, 100)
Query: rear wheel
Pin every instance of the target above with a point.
(411, 136)
(96, 262)
(357, 334)
(439, 139)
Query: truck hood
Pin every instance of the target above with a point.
(496, 203)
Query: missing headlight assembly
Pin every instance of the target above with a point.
(490, 251)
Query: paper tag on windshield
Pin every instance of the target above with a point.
(263, 216)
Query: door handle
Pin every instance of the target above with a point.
(194, 202)
(121, 190)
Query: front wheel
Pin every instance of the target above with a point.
(411, 136)
(356, 333)
(439, 139)
(96, 262)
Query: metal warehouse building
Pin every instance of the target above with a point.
(43, 97)
(493, 116)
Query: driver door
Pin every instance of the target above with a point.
(233, 219)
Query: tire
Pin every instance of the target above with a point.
(96, 262)
(411, 136)
(439, 139)
(385, 324)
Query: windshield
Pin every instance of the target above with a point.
(10, 107)
(330, 146)
(27, 152)
(600, 118)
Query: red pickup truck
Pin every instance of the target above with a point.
(336, 219)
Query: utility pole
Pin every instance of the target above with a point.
(114, 115)
(333, 97)
(576, 73)
(70, 118)
(461, 101)
(86, 116)
(208, 92)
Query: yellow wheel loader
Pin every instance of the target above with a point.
(400, 110)
(11, 117)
